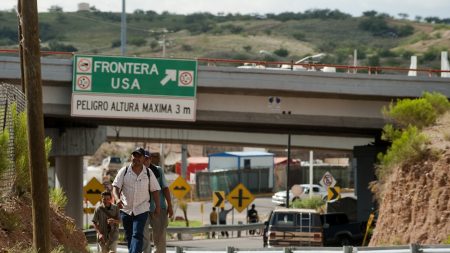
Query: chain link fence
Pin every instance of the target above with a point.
(9, 94)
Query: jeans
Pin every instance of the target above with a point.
(134, 230)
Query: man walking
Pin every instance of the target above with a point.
(252, 217)
(106, 223)
(132, 187)
(159, 222)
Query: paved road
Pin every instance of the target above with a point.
(263, 205)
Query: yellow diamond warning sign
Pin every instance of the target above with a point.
(179, 188)
(92, 191)
(240, 197)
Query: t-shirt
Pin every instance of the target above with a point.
(213, 217)
(101, 216)
(252, 215)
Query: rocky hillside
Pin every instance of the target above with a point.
(16, 233)
(416, 206)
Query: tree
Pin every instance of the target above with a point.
(403, 15)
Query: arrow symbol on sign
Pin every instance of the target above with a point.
(171, 75)
(334, 193)
(219, 199)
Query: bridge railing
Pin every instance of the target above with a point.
(206, 230)
(286, 66)
(371, 70)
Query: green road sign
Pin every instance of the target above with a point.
(130, 87)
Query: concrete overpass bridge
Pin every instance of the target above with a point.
(242, 100)
(234, 106)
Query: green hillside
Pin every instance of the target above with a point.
(379, 39)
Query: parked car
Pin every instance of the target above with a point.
(279, 198)
(306, 227)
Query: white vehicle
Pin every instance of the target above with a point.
(279, 198)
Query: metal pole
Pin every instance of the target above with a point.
(161, 156)
(123, 31)
(311, 165)
(288, 167)
(183, 160)
(31, 65)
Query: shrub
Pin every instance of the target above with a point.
(115, 43)
(282, 52)
(447, 241)
(310, 203)
(415, 112)
(408, 147)
(9, 221)
(22, 182)
(247, 48)
(186, 47)
(299, 36)
(58, 199)
(5, 163)
(439, 102)
(137, 42)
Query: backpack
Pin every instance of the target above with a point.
(154, 170)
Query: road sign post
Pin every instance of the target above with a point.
(240, 197)
(131, 87)
(179, 188)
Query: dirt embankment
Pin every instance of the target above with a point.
(415, 207)
(16, 230)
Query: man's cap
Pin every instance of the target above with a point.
(140, 151)
(147, 153)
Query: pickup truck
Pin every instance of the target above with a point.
(339, 231)
(306, 227)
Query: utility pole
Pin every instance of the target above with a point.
(31, 65)
(123, 30)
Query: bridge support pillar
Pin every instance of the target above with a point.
(69, 177)
(69, 145)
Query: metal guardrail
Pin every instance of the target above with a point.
(91, 234)
(413, 248)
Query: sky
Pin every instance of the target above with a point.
(423, 8)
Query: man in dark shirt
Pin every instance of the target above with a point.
(106, 223)
(252, 217)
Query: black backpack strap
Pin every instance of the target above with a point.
(155, 170)
(123, 181)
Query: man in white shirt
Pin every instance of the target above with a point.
(132, 187)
